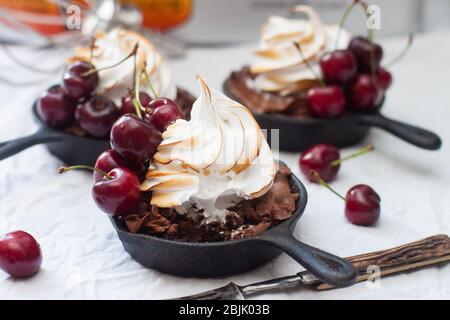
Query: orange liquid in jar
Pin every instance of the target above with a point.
(163, 14)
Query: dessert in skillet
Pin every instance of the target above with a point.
(210, 178)
(99, 84)
(305, 68)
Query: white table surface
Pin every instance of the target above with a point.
(83, 258)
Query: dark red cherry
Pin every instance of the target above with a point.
(80, 80)
(162, 112)
(384, 78)
(118, 193)
(111, 159)
(338, 67)
(159, 102)
(97, 115)
(362, 205)
(324, 159)
(55, 108)
(362, 49)
(326, 102)
(108, 160)
(135, 139)
(364, 94)
(20, 254)
(319, 158)
(127, 105)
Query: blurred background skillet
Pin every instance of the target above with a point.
(69, 148)
(299, 134)
(236, 256)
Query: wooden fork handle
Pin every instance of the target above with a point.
(429, 251)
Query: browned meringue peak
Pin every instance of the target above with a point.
(112, 47)
(278, 66)
(217, 158)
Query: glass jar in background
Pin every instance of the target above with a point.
(49, 17)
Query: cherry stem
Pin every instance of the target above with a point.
(83, 167)
(147, 79)
(370, 35)
(319, 180)
(91, 49)
(132, 53)
(358, 153)
(308, 65)
(134, 71)
(402, 53)
(136, 99)
(342, 21)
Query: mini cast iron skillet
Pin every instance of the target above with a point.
(347, 130)
(236, 256)
(69, 148)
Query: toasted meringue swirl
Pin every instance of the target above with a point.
(211, 162)
(278, 65)
(113, 46)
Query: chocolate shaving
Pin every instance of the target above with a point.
(185, 100)
(249, 231)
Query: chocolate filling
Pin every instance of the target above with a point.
(240, 88)
(185, 100)
(247, 218)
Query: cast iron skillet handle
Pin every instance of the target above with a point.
(327, 267)
(11, 147)
(414, 135)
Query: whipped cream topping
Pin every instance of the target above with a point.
(278, 65)
(208, 164)
(115, 45)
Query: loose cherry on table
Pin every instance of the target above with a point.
(364, 94)
(20, 254)
(111, 159)
(80, 80)
(362, 203)
(117, 193)
(161, 112)
(55, 108)
(326, 102)
(135, 139)
(127, 105)
(97, 115)
(367, 53)
(325, 160)
(338, 67)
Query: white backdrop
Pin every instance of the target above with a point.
(232, 20)
(83, 257)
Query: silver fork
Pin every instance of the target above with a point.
(232, 291)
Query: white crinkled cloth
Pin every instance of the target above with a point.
(83, 258)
